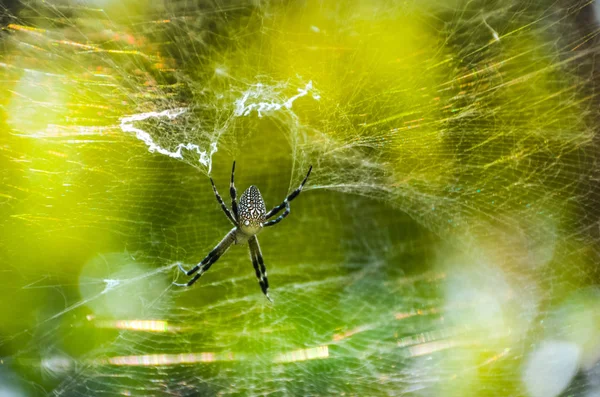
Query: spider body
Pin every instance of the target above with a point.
(249, 218)
(252, 212)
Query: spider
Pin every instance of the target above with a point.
(249, 217)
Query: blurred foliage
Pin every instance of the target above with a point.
(446, 240)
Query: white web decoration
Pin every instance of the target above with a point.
(126, 126)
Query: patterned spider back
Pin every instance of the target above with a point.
(252, 210)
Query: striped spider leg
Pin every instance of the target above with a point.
(285, 203)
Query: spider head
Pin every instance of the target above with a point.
(252, 211)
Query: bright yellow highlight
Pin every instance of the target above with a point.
(303, 355)
(137, 325)
(165, 359)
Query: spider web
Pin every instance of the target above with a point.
(445, 244)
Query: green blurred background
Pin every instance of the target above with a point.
(446, 243)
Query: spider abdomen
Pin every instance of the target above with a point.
(252, 211)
